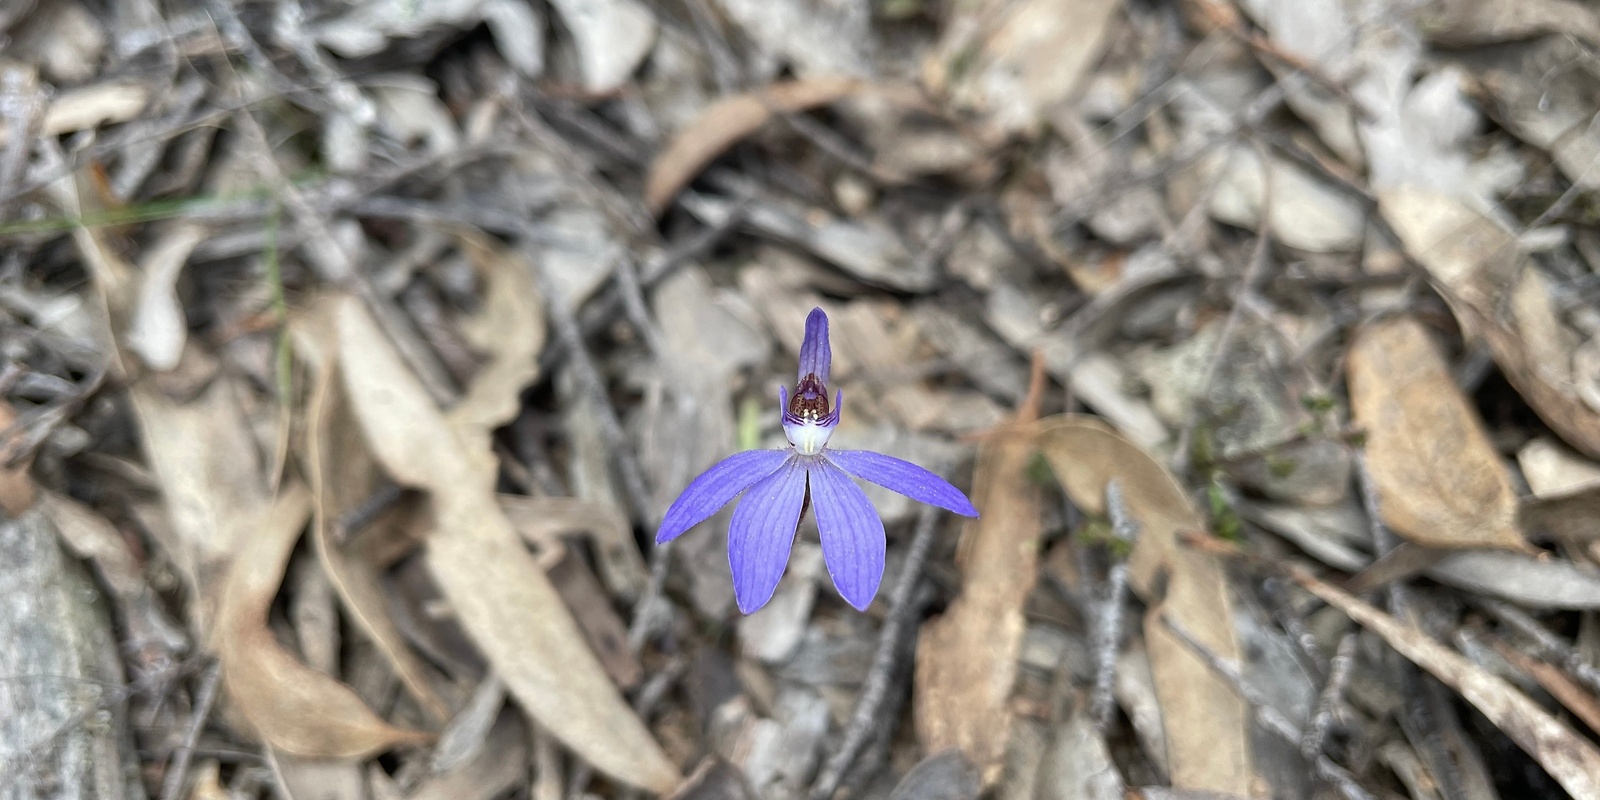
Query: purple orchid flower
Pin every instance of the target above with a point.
(778, 485)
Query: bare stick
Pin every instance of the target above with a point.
(864, 717)
(205, 699)
(1108, 631)
(1550, 646)
(1332, 695)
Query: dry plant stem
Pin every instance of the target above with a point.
(1332, 697)
(1270, 718)
(205, 700)
(864, 718)
(1550, 646)
(1108, 630)
(1294, 624)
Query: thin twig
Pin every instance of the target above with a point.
(1332, 696)
(205, 699)
(864, 718)
(1550, 646)
(1108, 631)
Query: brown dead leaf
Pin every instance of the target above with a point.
(343, 476)
(510, 328)
(966, 659)
(1206, 724)
(1439, 481)
(1497, 292)
(499, 594)
(727, 121)
(290, 706)
(1570, 759)
(213, 490)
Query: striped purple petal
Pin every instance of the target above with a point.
(762, 532)
(715, 487)
(903, 477)
(852, 534)
(816, 356)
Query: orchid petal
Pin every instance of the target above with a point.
(816, 356)
(762, 532)
(852, 534)
(903, 477)
(715, 487)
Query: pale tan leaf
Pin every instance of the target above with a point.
(510, 329)
(89, 107)
(499, 594)
(1570, 759)
(1439, 481)
(966, 659)
(1206, 724)
(289, 705)
(158, 328)
(343, 476)
(212, 487)
(1478, 266)
(727, 121)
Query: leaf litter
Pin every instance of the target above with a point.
(359, 349)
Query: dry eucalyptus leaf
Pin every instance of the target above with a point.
(291, 706)
(510, 329)
(1497, 292)
(1439, 481)
(500, 596)
(1568, 757)
(158, 328)
(89, 107)
(1566, 492)
(1206, 724)
(724, 123)
(204, 458)
(343, 475)
(967, 658)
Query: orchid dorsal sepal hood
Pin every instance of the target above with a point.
(778, 485)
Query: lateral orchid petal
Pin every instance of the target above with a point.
(902, 477)
(716, 487)
(762, 533)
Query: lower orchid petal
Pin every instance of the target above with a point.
(904, 478)
(715, 487)
(762, 533)
(852, 534)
